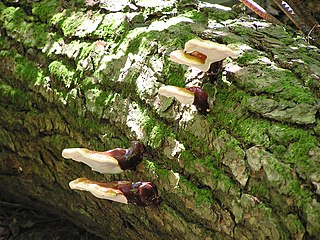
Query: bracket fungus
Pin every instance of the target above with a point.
(138, 193)
(112, 161)
(202, 53)
(192, 95)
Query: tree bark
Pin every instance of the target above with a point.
(78, 74)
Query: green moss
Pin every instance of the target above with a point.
(173, 73)
(62, 73)
(280, 133)
(138, 40)
(243, 31)
(309, 80)
(12, 19)
(259, 189)
(248, 57)
(45, 9)
(86, 48)
(278, 150)
(267, 211)
(35, 35)
(92, 127)
(19, 98)
(208, 171)
(278, 170)
(198, 143)
(88, 83)
(2, 6)
(69, 25)
(298, 152)
(228, 111)
(280, 83)
(221, 15)
(7, 91)
(201, 196)
(150, 166)
(26, 70)
(3, 42)
(78, 3)
(304, 141)
(112, 26)
(313, 217)
(105, 98)
(17, 25)
(132, 45)
(86, 57)
(177, 35)
(301, 196)
(294, 225)
(23, 69)
(195, 15)
(76, 23)
(317, 128)
(299, 143)
(12, 14)
(58, 18)
(158, 135)
(253, 131)
(292, 89)
(60, 141)
(230, 142)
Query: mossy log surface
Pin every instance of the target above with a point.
(76, 74)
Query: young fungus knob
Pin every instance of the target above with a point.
(139, 193)
(192, 95)
(112, 161)
(200, 99)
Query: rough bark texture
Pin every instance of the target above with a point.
(248, 170)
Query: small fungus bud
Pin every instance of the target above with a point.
(139, 193)
(112, 161)
(200, 99)
(192, 95)
(202, 53)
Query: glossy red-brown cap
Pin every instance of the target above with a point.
(148, 193)
(142, 194)
(200, 99)
(132, 156)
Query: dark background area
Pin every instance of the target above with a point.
(22, 221)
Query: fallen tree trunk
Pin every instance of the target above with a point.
(87, 75)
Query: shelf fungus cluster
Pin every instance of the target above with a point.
(204, 55)
(114, 161)
(197, 53)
